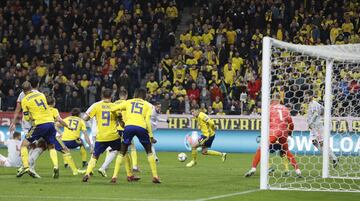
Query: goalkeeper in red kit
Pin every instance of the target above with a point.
(281, 126)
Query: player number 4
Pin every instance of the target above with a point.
(40, 103)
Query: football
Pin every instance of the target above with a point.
(182, 157)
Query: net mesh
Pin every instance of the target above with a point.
(298, 80)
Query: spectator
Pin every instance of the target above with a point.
(193, 93)
(9, 103)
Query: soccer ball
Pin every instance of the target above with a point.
(182, 157)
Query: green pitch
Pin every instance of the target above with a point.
(209, 180)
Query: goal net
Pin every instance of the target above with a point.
(320, 86)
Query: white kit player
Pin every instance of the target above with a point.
(314, 120)
(155, 118)
(37, 147)
(13, 145)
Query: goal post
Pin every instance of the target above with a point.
(329, 155)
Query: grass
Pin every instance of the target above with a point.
(210, 178)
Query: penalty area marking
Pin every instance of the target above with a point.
(227, 195)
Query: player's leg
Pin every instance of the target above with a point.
(207, 144)
(317, 140)
(36, 149)
(134, 157)
(3, 160)
(154, 152)
(110, 156)
(31, 136)
(61, 147)
(83, 152)
(289, 155)
(144, 139)
(285, 162)
(99, 148)
(256, 158)
(127, 139)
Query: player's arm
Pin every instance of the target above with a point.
(87, 139)
(58, 125)
(208, 121)
(148, 123)
(16, 114)
(290, 124)
(90, 113)
(26, 113)
(312, 117)
(119, 107)
(60, 120)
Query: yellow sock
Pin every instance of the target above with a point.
(118, 162)
(214, 153)
(91, 165)
(128, 166)
(54, 158)
(64, 160)
(83, 153)
(152, 164)
(286, 163)
(24, 156)
(134, 158)
(194, 154)
(68, 160)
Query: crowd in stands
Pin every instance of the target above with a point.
(79, 47)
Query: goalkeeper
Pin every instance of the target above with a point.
(316, 127)
(207, 127)
(281, 126)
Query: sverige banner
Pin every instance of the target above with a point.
(241, 141)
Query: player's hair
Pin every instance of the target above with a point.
(106, 93)
(16, 135)
(140, 93)
(26, 86)
(123, 94)
(34, 81)
(50, 100)
(75, 112)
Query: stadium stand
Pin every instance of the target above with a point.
(77, 48)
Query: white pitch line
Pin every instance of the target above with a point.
(228, 195)
(82, 198)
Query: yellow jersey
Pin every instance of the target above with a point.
(75, 123)
(204, 122)
(137, 112)
(119, 127)
(35, 108)
(54, 112)
(105, 119)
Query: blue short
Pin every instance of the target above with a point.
(139, 132)
(72, 144)
(207, 142)
(47, 132)
(100, 147)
